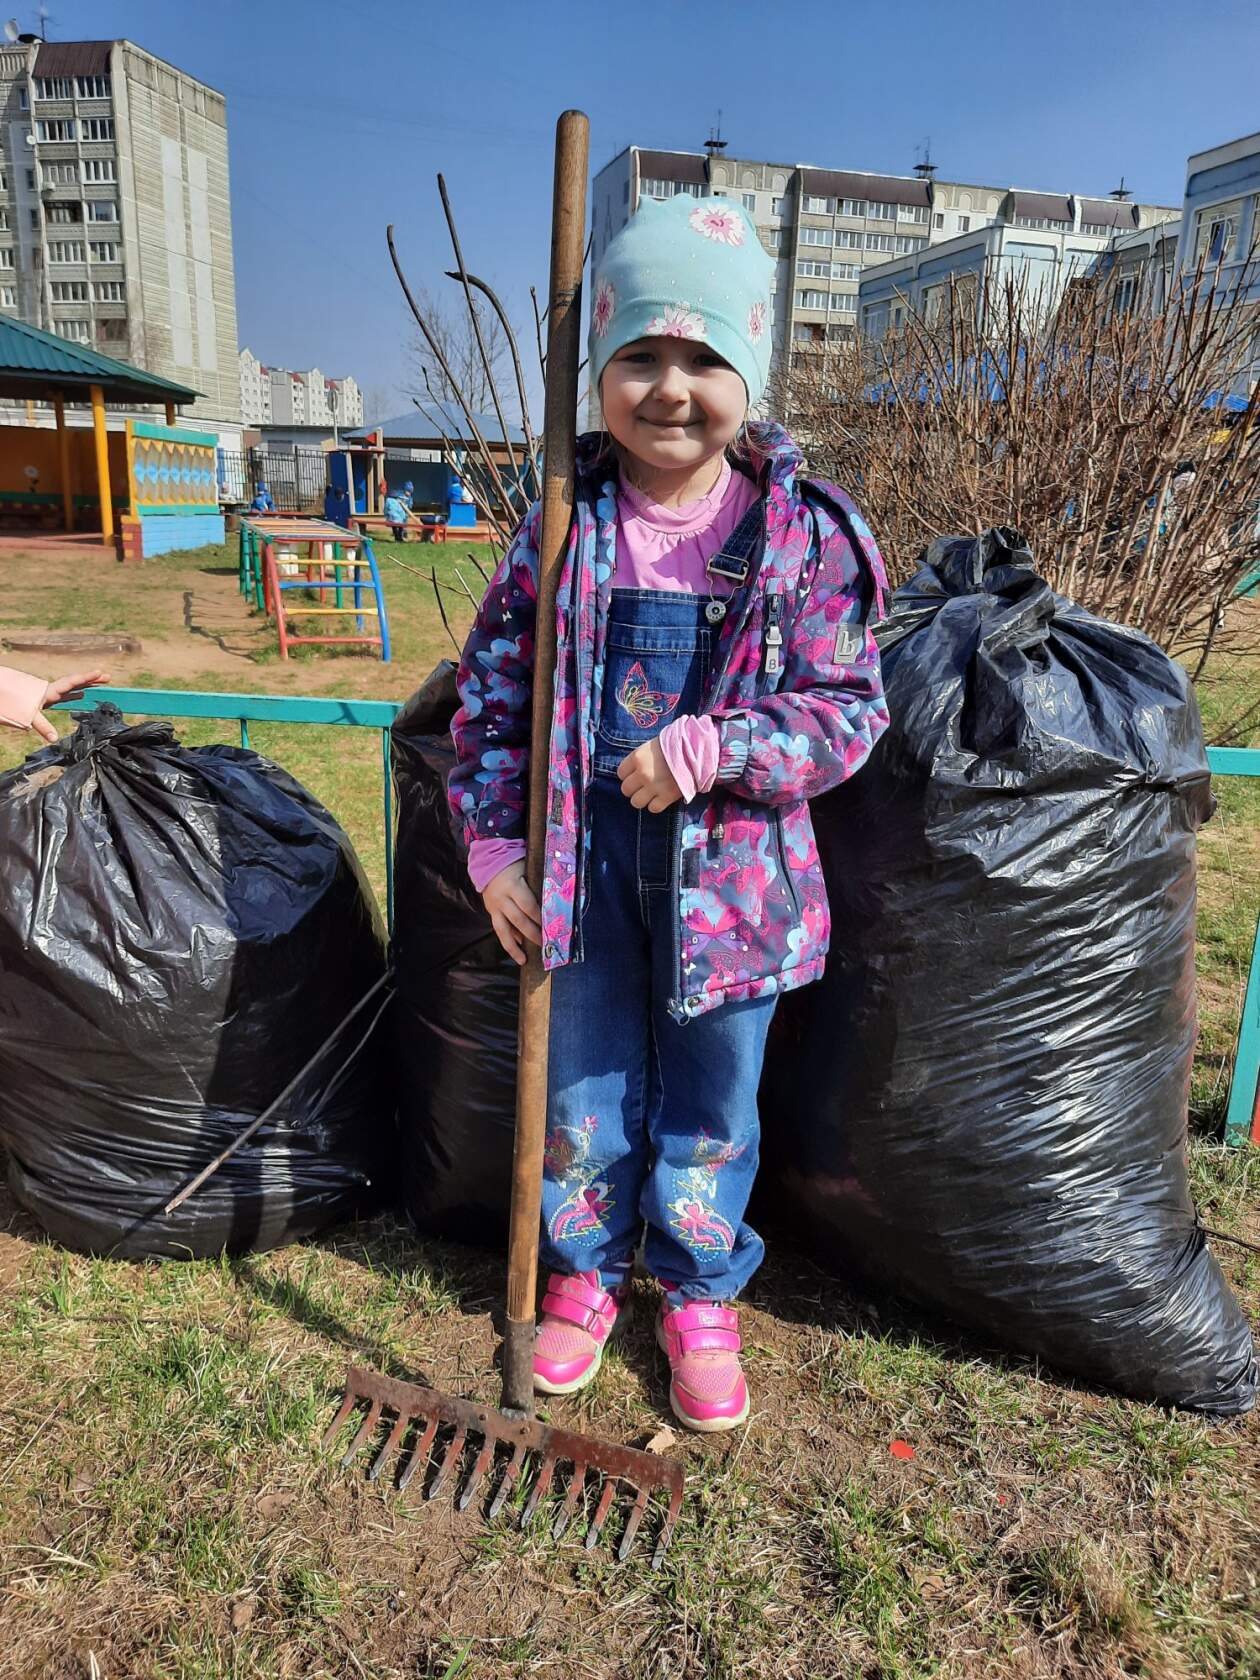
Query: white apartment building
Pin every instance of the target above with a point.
(272, 396)
(828, 229)
(115, 229)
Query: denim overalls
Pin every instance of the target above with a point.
(650, 1119)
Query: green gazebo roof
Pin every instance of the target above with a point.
(38, 364)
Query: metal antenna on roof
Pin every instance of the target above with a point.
(1121, 192)
(715, 145)
(45, 17)
(925, 169)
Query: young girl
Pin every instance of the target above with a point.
(714, 671)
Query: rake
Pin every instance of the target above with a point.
(420, 1414)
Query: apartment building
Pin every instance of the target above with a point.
(272, 396)
(115, 228)
(830, 230)
(1043, 241)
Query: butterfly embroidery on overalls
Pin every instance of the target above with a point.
(696, 1221)
(641, 701)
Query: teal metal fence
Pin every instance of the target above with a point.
(1243, 1116)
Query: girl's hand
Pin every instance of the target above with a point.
(513, 910)
(64, 688)
(646, 778)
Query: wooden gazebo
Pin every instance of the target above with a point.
(40, 366)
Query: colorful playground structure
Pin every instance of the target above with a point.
(283, 555)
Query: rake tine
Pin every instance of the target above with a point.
(452, 1454)
(478, 1471)
(349, 1400)
(576, 1483)
(395, 1436)
(510, 1476)
(632, 1524)
(365, 1429)
(541, 1488)
(671, 1517)
(420, 1455)
(601, 1514)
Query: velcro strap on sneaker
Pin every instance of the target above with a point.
(708, 1341)
(576, 1288)
(573, 1312)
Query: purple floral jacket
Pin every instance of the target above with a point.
(795, 692)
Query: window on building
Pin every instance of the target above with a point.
(102, 210)
(850, 240)
(912, 213)
(845, 302)
(1215, 228)
(816, 236)
(80, 331)
(749, 201)
(113, 330)
(69, 291)
(879, 241)
(803, 332)
(810, 299)
(97, 128)
(30, 180)
(882, 212)
(905, 243)
(1049, 224)
(33, 213)
(8, 297)
(64, 172)
(781, 206)
(964, 224)
(60, 214)
(99, 169)
(1124, 294)
(24, 103)
(650, 187)
(816, 205)
(1096, 230)
(54, 87)
(625, 192)
(938, 219)
(55, 128)
(109, 291)
(808, 268)
(103, 250)
(853, 207)
(4, 218)
(772, 237)
(65, 251)
(92, 87)
(846, 271)
(6, 257)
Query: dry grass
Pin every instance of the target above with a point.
(166, 1514)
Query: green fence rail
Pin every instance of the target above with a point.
(245, 709)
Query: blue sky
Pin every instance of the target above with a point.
(340, 115)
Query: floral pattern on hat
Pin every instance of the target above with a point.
(757, 322)
(680, 320)
(605, 303)
(716, 222)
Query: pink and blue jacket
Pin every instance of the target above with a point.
(795, 692)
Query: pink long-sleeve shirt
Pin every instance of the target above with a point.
(659, 548)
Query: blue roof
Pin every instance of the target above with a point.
(432, 421)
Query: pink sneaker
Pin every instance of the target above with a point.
(707, 1390)
(577, 1319)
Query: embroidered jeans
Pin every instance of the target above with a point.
(651, 1121)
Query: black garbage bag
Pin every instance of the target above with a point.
(455, 1007)
(983, 1102)
(180, 930)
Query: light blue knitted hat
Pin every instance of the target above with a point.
(686, 268)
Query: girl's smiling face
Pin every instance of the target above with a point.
(671, 402)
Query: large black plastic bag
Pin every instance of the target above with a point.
(456, 1006)
(180, 929)
(983, 1103)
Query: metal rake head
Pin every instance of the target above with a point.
(430, 1410)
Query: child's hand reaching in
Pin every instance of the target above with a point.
(513, 910)
(647, 780)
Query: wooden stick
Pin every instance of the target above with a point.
(564, 331)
